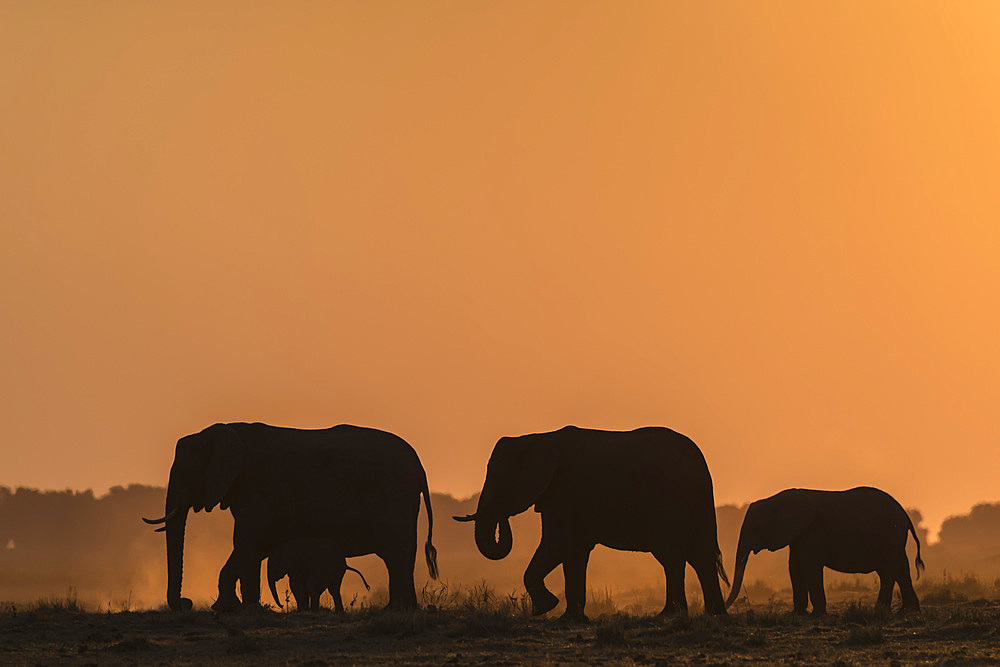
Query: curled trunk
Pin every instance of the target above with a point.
(742, 556)
(492, 545)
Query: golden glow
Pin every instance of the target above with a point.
(771, 226)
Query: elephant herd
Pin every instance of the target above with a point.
(308, 499)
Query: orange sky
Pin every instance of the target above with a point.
(771, 226)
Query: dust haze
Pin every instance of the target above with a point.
(57, 542)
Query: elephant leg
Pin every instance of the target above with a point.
(797, 571)
(314, 597)
(399, 561)
(886, 582)
(227, 599)
(547, 556)
(248, 566)
(338, 601)
(816, 592)
(708, 576)
(297, 585)
(336, 581)
(314, 589)
(673, 573)
(248, 555)
(575, 574)
(909, 596)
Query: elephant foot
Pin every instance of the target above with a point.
(818, 613)
(396, 604)
(250, 608)
(180, 604)
(671, 610)
(573, 618)
(226, 603)
(542, 602)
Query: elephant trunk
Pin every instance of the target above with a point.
(177, 510)
(490, 545)
(742, 556)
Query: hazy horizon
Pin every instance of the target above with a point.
(51, 541)
(930, 530)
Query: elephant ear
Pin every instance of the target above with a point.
(536, 461)
(224, 464)
(792, 516)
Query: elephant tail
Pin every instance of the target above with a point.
(430, 553)
(918, 564)
(367, 587)
(721, 568)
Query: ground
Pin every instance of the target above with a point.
(497, 630)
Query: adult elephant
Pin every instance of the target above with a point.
(860, 530)
(357, 486)
(642, 490)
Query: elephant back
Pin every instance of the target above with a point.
(340, 475)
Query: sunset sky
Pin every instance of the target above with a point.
(772, 226)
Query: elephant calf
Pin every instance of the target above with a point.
(313, 565)
(860, 530)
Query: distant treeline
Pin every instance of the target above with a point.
(53, 540)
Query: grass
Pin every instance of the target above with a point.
(611, 632)
(478, 624)
(857, 613)
(69, 603)
(864, 636)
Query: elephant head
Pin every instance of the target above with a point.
(205, 468)
(518, 473)
(772, 523)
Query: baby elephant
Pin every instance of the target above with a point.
(313, 565)
(860, 530)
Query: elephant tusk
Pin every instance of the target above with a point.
(168, 517)
(467, 517)
(161, 529)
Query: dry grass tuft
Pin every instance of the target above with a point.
(611, 632)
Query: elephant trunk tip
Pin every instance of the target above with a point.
(733, 594)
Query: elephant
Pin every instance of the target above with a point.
(643, 490)
(859, 530)
(313, 565)
(358, 486)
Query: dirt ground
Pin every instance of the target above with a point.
(961, 633)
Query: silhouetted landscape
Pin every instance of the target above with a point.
(78, 570)
(55, 541)
(301, 263)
